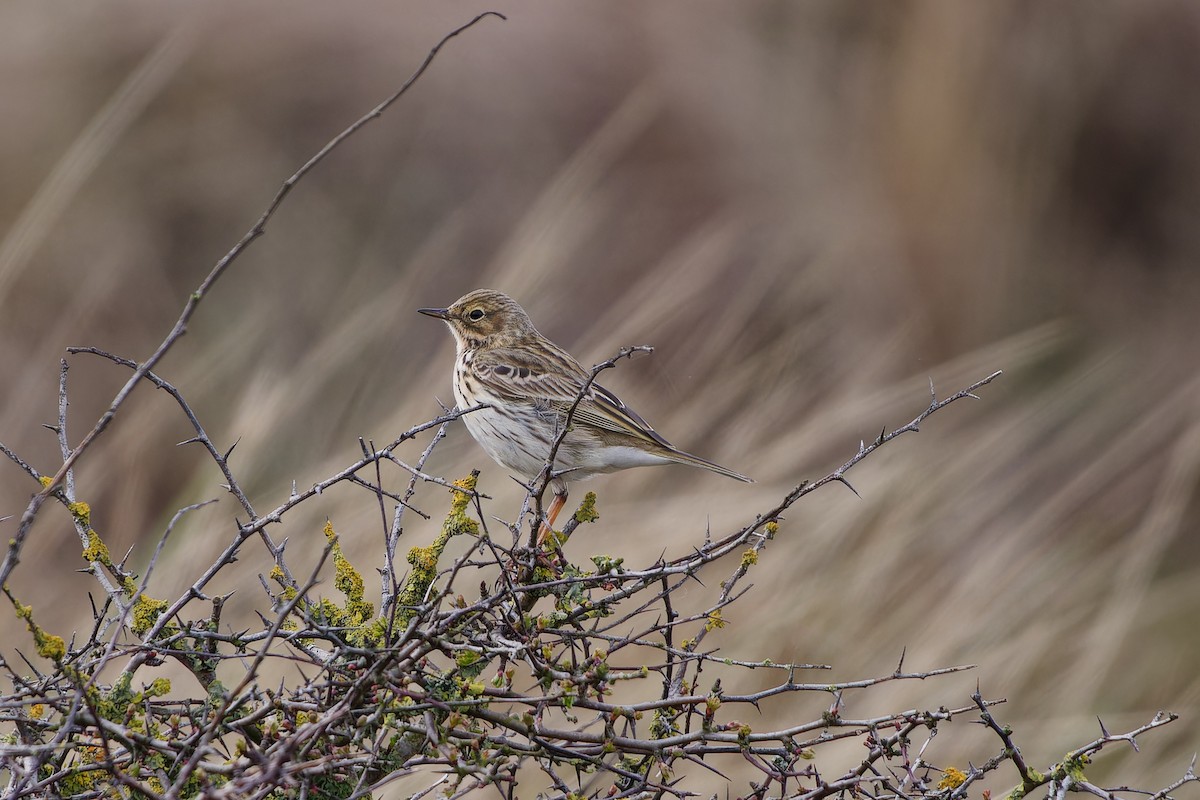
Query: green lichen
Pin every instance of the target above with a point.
(82, 781)
(587, 509)
(1073, 766)
(585, 513)
(113, 704)
(607, 564)
(424, 560)
(470, 664)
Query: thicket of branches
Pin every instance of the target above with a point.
(509, 668)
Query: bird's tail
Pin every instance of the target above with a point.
(696, 461)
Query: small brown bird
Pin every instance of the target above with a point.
(531, 384)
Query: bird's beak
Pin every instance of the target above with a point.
(440, 313)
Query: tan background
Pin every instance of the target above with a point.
(808, 209)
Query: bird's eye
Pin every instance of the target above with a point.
(475, 315)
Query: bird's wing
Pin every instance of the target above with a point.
(608, 411)
(555, 379)
(520, 375)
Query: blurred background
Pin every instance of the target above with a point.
(810, 210)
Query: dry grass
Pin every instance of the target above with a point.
(808, 209)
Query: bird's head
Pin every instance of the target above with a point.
(485, 317)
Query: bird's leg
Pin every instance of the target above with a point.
(556, 504)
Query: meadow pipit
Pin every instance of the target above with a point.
(530, 384)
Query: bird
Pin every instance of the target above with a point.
(529, 385)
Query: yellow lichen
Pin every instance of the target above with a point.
(749, 557)
(772, 529)
(82, 513)
(952, 778)
(52, 647)
(45, 480)
(463, 499)
(714, 621)
(96, 551)
(36, 711)
(47, 644)
(146, 611)
(349, 582)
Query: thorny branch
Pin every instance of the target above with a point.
(408, 690)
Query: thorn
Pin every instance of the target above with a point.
(903, 653)
(230, 450)
(972, 395)
(932, 393)
(840, 479)
(54, 428)
(1103, 730)
(192, 440)
(882, 433)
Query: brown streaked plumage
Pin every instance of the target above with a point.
(531, 383)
